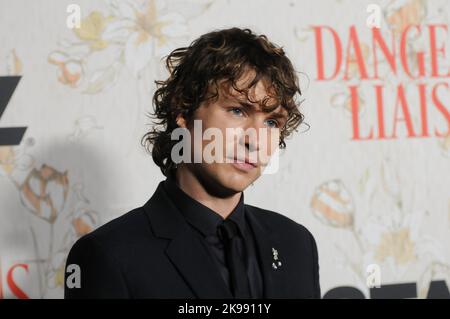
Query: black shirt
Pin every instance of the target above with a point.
(205, 221)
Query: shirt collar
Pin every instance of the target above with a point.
(200, 216)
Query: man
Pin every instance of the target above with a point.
(195, 237)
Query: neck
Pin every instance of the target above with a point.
(191, 185)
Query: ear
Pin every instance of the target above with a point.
(181, 121)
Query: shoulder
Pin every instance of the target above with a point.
(280, 223)
(117, 234)
(101, 257)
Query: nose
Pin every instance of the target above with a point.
(251, 143)
(262, 142)
(251, 137)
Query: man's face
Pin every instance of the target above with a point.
(233, 111)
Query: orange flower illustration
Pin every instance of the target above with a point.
(84, 222)
(44, 192)
(333, 205)
(404, 13)
(70, 70)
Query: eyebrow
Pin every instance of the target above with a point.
(276, 114)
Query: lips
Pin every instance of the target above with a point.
(243, 164)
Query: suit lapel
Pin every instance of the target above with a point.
(276, 280)
(185, 250)
(194, 262)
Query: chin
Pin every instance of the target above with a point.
(235, 180)
(225, 179)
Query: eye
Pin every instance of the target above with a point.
(237, 111)
(272, 123)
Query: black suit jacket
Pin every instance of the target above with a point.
(151, 252)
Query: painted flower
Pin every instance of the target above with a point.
(70, 70)
(44, 192)
(402, 13)
(147, 29)
(131, 34)
(396, 244)
(91, 30)
(333, 205)
(84, 222)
